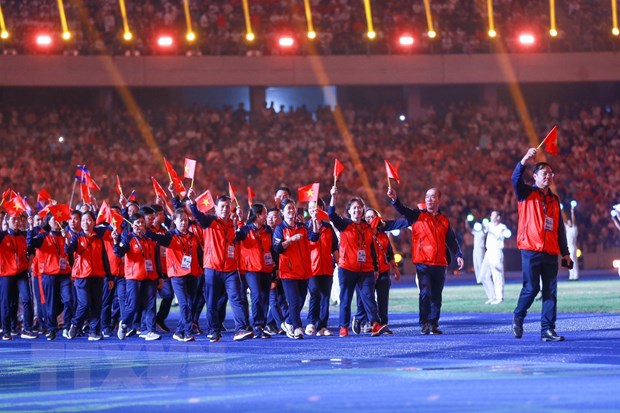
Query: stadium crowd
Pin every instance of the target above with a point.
(468, 150)
(461, 27)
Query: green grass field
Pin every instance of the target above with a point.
(599, 296)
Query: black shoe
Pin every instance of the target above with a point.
(51, 335)
(426, 329)
(215, 337)
(162, 326)
(517, 327)
(550, 335)
(356, 326)
(73, 331)
(435, 330)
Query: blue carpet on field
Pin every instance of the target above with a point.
(477, 366)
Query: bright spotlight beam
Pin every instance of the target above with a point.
(308, 9)
(371, 30)
(66, 34)
(553, 31)
(248, 23)
(190, 36)
(126, 32)
(4, 34)
(429, 19)
(614, 17)
(492, 32)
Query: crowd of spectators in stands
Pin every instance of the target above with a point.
(461, 27)
(468, 150)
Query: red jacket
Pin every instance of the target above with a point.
(384, 251)
(321, 251)
(91, 259)
(141, 257)
(117, 265)
(13, 253)
(535, 207)
(220, 251)
(428, 239)
(255, 249)
(177, 247)
(50, 254)
(294, 261)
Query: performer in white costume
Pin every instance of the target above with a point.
(478, 254)
(571, 238)
(492, 269)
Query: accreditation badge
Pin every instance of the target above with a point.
(186, 263)
(361, 256)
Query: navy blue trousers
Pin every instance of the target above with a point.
(218, 284)
(431, 279)
(364, 282)
(58, 290)
(295, 292)
(539, 268)
(259, 284)
(382, 292)
(320, 288)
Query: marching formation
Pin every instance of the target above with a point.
(97, 272)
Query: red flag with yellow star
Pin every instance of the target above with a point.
(61, 212)
(204, 202)
(308, 193)
(189, 169)
(550, 142)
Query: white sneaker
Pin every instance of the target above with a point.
(299, 333)
(489, 301)
(324, 332)
(494, 302)
(152, 336)
(310, 329)
(178, 337)
(288, 329)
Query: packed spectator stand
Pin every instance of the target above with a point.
(96, 27)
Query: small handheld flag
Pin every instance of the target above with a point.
(251, 196)
(338, 169)
(550, 142)
(392, 172)
(308, 193)
(204, 201)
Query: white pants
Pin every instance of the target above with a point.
(493, 275)
(574, 273)
(478, 257)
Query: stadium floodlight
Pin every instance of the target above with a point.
(432, 34)
(43, 40)
(250, 37)
(190, 36)
(66, 35)
(526, 39)
(4, 34)
(164, 41)
(286, 41)
(615, 31)
(371, 35)
(127, 36)
(406, 40)
(311, 35)
(553, 33)
(492, 33)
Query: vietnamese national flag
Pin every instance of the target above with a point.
(174, 178)
(85, 192)
(189, 169)
(204, 202)
(391, 171)
(231, 192)
(321, 215)
(104, 213)
(308, 193)
(550, 142)
(8, 194)
(15, 206)
(338, 168)
(116, 219)
(61, 212)
(118, 187)
(251, 196)
(159, 191)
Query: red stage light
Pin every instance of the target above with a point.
(43, 40)
(406, 40)
(286, 41)
(527, 39)
(164, 41)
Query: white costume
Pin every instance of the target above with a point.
(478, 254)
(571, 238)
(493, 263)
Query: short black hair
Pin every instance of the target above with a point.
(541, 165)
(146, 210)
